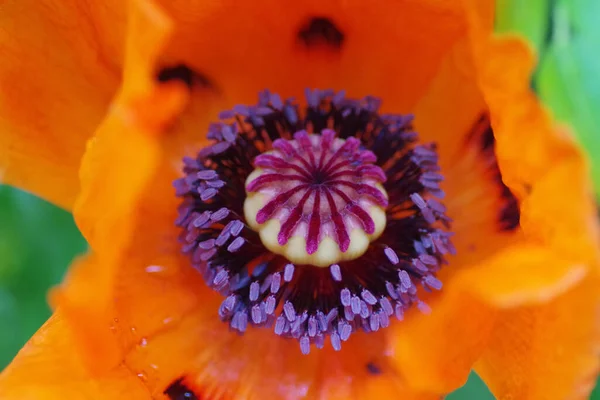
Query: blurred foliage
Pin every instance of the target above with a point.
(38, 241)
(568, 79)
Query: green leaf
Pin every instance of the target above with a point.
(526, 17)
(569, 79)
(473, 389)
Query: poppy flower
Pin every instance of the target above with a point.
(378, 239)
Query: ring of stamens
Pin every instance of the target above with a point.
(317, 199)
(297, 298)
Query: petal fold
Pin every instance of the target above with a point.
(546, 351)
(120, 160)
(436, 352)
(522, 275)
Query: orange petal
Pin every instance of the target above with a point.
(385, 388)
(547, 351)
(56, 80)
(48, 368)
(522, 274)
(436, 352)
(567, 222)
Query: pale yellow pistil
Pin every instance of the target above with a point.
(295, 250)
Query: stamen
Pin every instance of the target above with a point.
(283, 193)
(336, 273)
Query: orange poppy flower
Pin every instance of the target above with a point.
(135, 318)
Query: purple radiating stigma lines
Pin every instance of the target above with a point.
(316, 184)
(315, 305)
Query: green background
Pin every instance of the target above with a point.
(38, 241)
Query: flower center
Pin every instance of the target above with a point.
(282, 193)
(316, 199)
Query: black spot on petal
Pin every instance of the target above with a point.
(373, 369)
(178, 391)
(321, 31)
(178, 72)
(184, 74)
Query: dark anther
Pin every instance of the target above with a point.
(184, 74)
(482, 135)
(373, 368)
(178, 391)
(321, 31)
